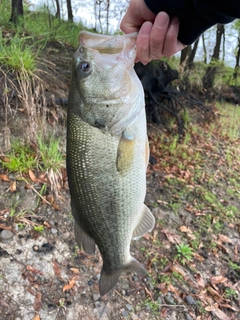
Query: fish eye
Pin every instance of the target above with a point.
(84, 67)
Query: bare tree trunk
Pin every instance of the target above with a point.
(192, 55)
(204, 49)
(107, 17)
(17, 10)
(69, 9)
(57, 15)
(236, 69)
(99, 14)
(211, 71)
(184, 55)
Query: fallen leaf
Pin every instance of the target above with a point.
(13, 186)
(32, 175)
(199, 280)
(218, 279)
(172, 237)
(224, 238)
(38, 301)
(31, 269)
(215, 294)
(46, 224)
(56, 268)
(198, 257)
(229, 307)
(37, 317)
(75, 270)
(220, 314)
(4, 177)
(2, 226)
(178, 269)
(70, 284)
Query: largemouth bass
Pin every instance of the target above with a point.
(107, 153)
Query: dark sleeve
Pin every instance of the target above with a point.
(196, 16)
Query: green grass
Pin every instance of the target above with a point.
(17, 56)
(49, 154)
(20, 159)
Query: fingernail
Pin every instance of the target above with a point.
(162, 19)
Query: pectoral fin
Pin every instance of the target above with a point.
(125, 152)
(83, 239)
(145, 225)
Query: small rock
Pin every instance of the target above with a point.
(124, 313)
(190, 301)
(135, 278)
(6, 236)
(54, 231)
(36, 248)
(129, 306)
(52, 223)
(18, 251)
(125, 286)
(96, 296)
(187, 316)
(97, 304)
(169, 299)
(90, 282)
(123, 292)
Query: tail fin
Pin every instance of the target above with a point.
(109, 279)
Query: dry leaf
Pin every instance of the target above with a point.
(13, 186)
(199, 280)
(178, 269)
(56, 268)
(31, 269)
(215, 294)
(198, 257)
(4, 177)
(220, 314)
(70, 284)
(46, 224)
(75, 270)
(38, 301)
(172, 237)
(37, 317)
(224, 238)
(2, 226)
(218, 279)
(32, 175)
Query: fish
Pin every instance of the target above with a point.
(107, 153)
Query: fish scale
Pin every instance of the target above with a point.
(107, 168)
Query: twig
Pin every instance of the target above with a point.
(31, 187)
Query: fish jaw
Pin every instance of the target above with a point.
(111, 93)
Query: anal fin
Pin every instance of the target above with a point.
(83, 239)
(146, 224)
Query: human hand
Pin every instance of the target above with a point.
(157, 34)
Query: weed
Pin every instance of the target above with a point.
(49, 154)
(175, 207)
(39, 228)
(20, 159)
(18, 56)
(13, 209)
(184, 253)
(234, 266)
(230, 293)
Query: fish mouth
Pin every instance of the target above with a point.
(117, 48)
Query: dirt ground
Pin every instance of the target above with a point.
(43, 275)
